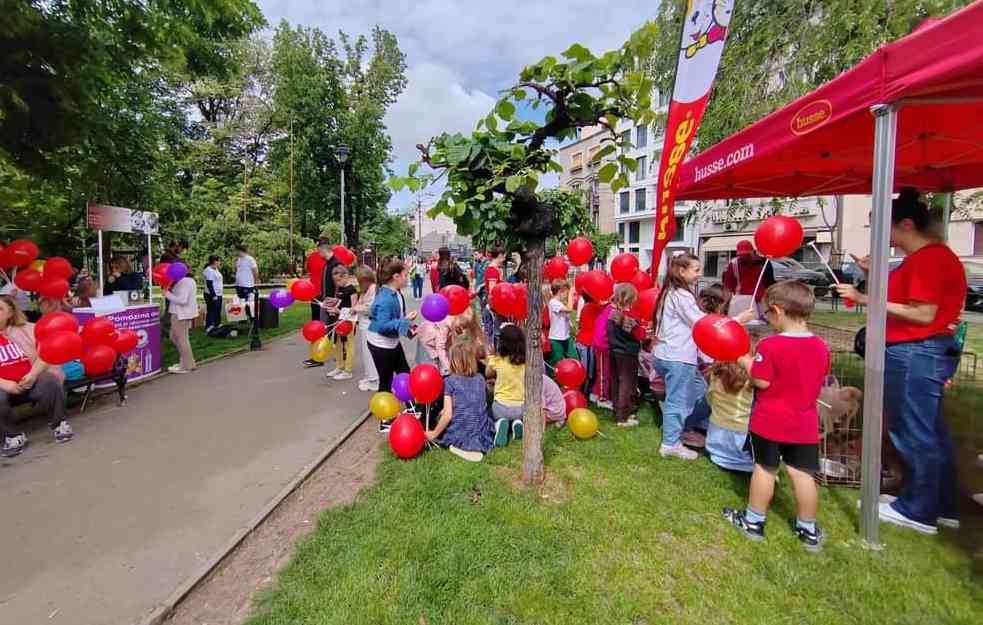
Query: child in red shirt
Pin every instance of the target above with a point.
(788, 372)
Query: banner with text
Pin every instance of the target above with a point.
(704, 33)
(119, 219)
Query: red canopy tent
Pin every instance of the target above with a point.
(910, 114)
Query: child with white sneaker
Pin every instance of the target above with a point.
(363, 307)
(344, 346)
(508, 369)
(464, 426)
(788, 371)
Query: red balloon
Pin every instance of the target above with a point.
(57, 267)
(599, 285)
(52, 322)
(314, 330)
(574, 399)
(520, 309)
(315, 266)
(623, 267)
(303, 290)
(642, 281)
(20, 253)
(28, 279)
(580, 251)
(53, 289)
(555, 269)
(98, 359)
(778, 236)
(547, 346)
(458, 297)
(406, 436)
(579, 281)
(343, 254)
(159, 274)
(645, 304)
(426, 384)
(721, 338)
(570, 373)
(59, 347)
(99, 331)
(503, 299)
(344, 328)
(126, 341)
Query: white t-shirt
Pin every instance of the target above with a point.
(559, 321)
(244, 271)
(675, 338)
(214, 276)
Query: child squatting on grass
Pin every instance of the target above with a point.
(464, 425)
(508, 369)
(787, 370)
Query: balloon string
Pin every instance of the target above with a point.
(825, 263)
(754, 295)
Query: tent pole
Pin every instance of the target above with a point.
(946, 216)
(100, 263)
(886, 118)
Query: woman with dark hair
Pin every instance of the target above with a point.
(213, 293)
(389, 322)
(925, 296)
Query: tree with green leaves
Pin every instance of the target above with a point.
(493, 174)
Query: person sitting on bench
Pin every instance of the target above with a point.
(26, 378)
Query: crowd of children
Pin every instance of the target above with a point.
(750, 415)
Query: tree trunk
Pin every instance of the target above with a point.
(533, 471)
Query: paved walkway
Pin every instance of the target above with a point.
(103, 529)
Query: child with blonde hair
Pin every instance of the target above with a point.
(464, 426)
(344, 298)
(624, 347)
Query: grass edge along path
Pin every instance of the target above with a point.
(616, 535)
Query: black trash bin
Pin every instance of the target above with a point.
(269, 315)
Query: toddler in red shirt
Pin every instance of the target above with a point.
(787, 372)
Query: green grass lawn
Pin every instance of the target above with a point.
(291, 319)
(617, 536)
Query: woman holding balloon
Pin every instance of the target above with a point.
(182, 294)
(925, 296)
(390, 321)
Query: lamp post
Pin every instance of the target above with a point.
(341, 153)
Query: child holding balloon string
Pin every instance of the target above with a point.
(389, 322)
(624, 343)
(464, 426)
(341, 302)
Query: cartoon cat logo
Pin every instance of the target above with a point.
(704, 32)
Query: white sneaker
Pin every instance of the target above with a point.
(64, 432)
(368, 386)
(13, 445)
(630, 422)
(947, 522)
(332, 373)
(677, 451)
(177, 369)
(978, 498)
(605, 404)
(344, 375)
(889, 515)
(884, 498)
(470, 456)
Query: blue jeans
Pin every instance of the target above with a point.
(418, 287)
(914, 378)
(586, 357)
(684, 387)
(699, 419)
(726, 449)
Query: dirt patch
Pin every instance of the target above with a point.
(555, 488)
(225, 596)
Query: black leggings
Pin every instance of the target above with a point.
(388, 362)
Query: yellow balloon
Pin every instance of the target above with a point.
(37, 265)
(321, 349)
(384, 406)
(583, 423)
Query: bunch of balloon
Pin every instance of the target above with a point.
(316, 334)
(48, 278)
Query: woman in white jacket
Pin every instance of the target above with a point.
(183, 296)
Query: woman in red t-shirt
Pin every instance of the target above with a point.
(925, 296)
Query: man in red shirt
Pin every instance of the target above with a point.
(742, 273)
(788, 371)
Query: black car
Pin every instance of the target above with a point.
(974, 286)
(791, 269)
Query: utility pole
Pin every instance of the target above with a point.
(291, 243)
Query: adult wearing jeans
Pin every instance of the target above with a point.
(419, 270)
(925, 295)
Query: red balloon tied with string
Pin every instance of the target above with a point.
(580, 251)
(721, 338)
(426, 383)
(624, 267)
(778, 236)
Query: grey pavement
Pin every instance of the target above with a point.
(99, 531)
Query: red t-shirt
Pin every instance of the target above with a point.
(14, 363)
(932, 275)
(796, 366)
(492, 273)
(586, 322)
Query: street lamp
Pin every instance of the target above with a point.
(341, 153)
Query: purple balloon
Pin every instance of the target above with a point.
(435, 308)
(401, 387)
(177, 271)
(281, 298)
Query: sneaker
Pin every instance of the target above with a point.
(607, 405)
(368, 387)
(63, 433)
(517, 430)
(630, 422)
(812, 541)
(754, 531)
(177, 369)
(947, 522)
(693, 438)
(310, 363)
(978, 498)
(344, 375)
(13, 445)
(384, 427)
(470, 456)
(332, 373)
(889, 515)
(884, 498)
(501, 433)
(677, 451)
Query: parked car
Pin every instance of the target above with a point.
(791, 269)
(974, 285)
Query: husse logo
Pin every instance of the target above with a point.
(811, 116)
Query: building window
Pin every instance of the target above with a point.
(641, 136)
(978, 238)
(590, 154)
(621, 232)
(679, 235)
(626, 138)
(639, 200)
(576, 160)
(642, 172)
(625, 202)
(634, 231)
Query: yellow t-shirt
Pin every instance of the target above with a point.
(510, 381)
(731, 412)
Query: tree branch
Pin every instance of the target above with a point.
(552, 95)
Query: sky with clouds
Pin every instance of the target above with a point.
(460, 54)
